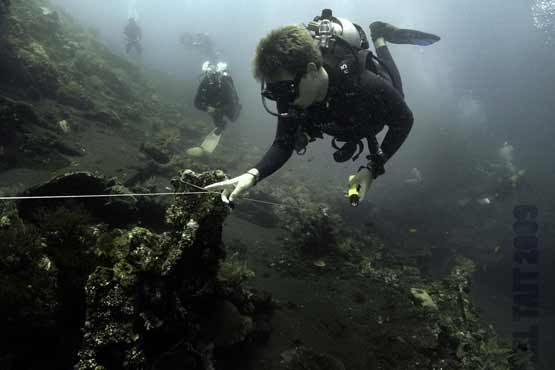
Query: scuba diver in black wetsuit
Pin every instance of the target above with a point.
(325, 81)
(217, 96)
(133, 35)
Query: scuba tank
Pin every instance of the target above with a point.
(344, 46)
(330, 30)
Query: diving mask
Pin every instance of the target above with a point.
(284, 93)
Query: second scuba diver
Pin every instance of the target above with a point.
(217, 96)
(324, 80)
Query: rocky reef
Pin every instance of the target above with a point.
(66, 99)
(124, 298)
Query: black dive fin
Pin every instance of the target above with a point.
(412, 37)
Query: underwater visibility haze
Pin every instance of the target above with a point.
(278, 185)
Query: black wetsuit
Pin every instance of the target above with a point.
(134, 36)
(220, 93)
(354, 109)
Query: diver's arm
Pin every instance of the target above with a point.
(233, 93)
(201, 98)
(398, 129)
(275, 158)
(281, 150)
(385, 105)
(231, 99)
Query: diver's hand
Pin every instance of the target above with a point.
(377, 163)
(211, 110)
(236, 186)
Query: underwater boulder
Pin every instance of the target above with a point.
(109, 118)
(155, 152)
(13, 116)
(158, 301)
(117, 211)
(37, 63)
(226, 326)
(132, 298)
(424, 299)
(74, 95)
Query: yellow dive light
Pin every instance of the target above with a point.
(353, 192)
(358, 185)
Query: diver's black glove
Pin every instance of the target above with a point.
(376, 163)
(301, 141)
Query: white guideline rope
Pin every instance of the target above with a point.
(102, 195)
(130, 195)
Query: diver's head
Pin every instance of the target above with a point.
(289, 65)
(210, 70)
(300, 90)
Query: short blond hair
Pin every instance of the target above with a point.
(285, 49)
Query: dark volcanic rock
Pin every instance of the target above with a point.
(155, 153)
(162, 302)
(75, 96)
(114, 210)
(146, 171)
(108, 118)
(16, 118)
(110, 298)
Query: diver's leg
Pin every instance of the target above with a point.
(396, 35)
(219, 121)
(382, 32)
(385, 56)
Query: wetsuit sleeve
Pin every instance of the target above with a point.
(281, 149)
(231, 103)
(386, 106)
(201, 102)
(399, 127)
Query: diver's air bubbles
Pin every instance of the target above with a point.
(543, 13)
(471, 110)
(506, 153)
(132, 11)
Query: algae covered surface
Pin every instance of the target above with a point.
(124, 297)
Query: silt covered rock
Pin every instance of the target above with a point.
(122, 298)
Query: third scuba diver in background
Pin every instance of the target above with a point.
(324, 79)
(133, 35)
(217, 96)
